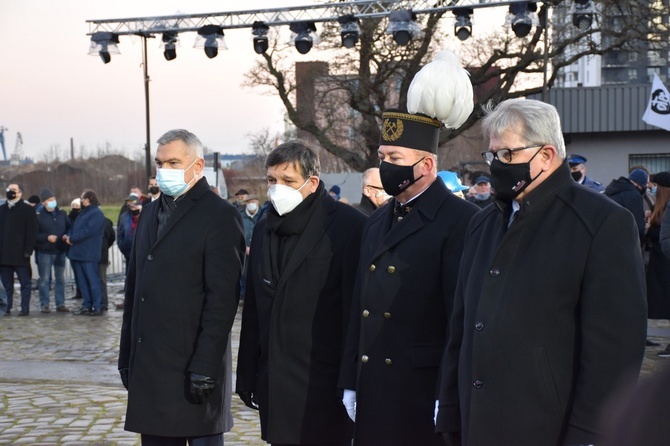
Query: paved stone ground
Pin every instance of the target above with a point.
(59, 383)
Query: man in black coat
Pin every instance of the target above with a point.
(18, 233)
(550, 310)
(410, 256)
(302, 265)
(182, 292)
(373, 195)
(629, 193)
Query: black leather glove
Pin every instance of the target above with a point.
(124, 377)
(248, 399)
(201, 387)
(452, 438)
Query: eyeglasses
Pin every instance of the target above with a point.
(375, 187)
(504, 155)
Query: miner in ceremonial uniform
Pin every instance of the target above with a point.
(410, 256)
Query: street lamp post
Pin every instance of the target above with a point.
(147, 145)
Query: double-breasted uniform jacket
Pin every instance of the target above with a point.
(293, 331)
(549, 316)
(182, 291)
(399, 320)
(18, 233)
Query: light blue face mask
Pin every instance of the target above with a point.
(171, 181)
(653, 190)
(51, 205)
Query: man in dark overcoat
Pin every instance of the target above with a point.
(302, 266)
(182, 292)
(18, 234)
(550, 311)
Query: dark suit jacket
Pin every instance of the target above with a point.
(292, 335)
(549, 316)
(181, 298)
(18, 234)
(399, 320)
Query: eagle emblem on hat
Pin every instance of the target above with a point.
(392, 129)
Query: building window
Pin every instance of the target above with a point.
(654, 162)
(632, 74)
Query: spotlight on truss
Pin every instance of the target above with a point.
(260, 32)
(104, 44)
(350, 30)
(210, 37)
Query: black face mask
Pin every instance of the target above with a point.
(510, 180)
(577, 176)
(396, 179)
(11, 195)
(154, 190)
(74, 213)
(134, 212)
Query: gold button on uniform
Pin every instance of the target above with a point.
(372, 267)
(391, 269)
(366, 313)
(387, 315)
(388, 361)
(364, 358)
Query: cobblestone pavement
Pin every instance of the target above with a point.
(60, 385)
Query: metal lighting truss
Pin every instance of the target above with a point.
(325, 12)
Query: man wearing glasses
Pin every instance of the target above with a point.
(373, 194)
(542, 333)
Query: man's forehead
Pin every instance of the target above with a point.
(288, 168)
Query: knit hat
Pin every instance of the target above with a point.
(336, 190)
(662, 179)
(639, 176)
(46, 193)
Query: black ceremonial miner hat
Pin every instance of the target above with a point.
(415, 131)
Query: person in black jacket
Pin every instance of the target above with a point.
(50, 249)
(182, 293)
(542, 336)
(18, 233)
(628, 192)
(302, 265)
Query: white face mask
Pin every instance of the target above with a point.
(285, 198)
(171, 181)
(252, 208)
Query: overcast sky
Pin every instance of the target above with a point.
(51, 90)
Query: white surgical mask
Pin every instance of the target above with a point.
(285, 198)
(171, 181)
(252, 208)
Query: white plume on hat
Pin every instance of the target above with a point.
(442, 90)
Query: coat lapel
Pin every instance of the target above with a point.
(316, 227)
(182, 208)
(425, 209)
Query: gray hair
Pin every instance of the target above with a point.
(297, 153)
(192, 142)
(534, 121)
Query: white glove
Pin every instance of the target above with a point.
(349, 401)
(437, 407)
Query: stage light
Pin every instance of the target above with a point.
(521, 17)
(402, 25)
(104, 44)
(260, 32)
(350, 30)
(210, 37)
(169, 43)
(304, 36)
(463, 23)
(582, 15)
